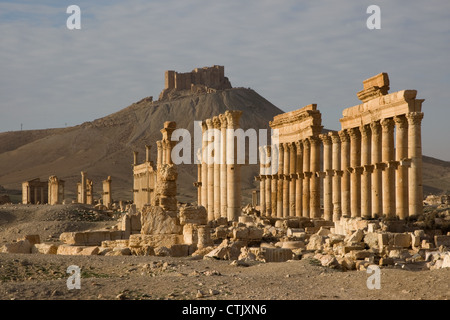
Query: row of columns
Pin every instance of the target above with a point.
(365, 173)
(219, 182)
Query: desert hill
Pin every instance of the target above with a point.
(104, 146)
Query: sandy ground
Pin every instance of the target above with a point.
(44, 277)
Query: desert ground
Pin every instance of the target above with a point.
(44, 277)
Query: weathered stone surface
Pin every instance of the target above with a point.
(293, 245)
(361, 254)
(89, 251)
(323, 231)
(155, 221)
(119, 252)
(442, 241)
(296, 233)
(32, 238)
(402, 240)
(399, 254)
(273, 254)
(334, 239)
(227, 250)
(354, 246)
(21, 246)
(44, 248)
(142, 251)
(89, 238)
(248, 233)
(327, 260)
(371, 239)
(316, 242)
(193, 214)
(356, 236)
(190, 235)
(69, 250)
(159, 240)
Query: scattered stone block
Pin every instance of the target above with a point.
(44, 248)
(293, 245)
(402, 240)
(354, 246)
(193, 214)
(21, 246)
(69, 250)
(361, 254)
(386, 262)
(32, 238)
(155, 221)
(371, 239)
(248, 233)
(166, 240)
(316, 242)
(442, 241)
(323, 231)
(357, 236)
(179, 250)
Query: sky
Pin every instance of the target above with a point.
(291, 52)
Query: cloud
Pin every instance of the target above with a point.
(292, 53)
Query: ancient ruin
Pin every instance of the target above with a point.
(42, 192)
(219, 178)
(363, 173)
(106, 195)
(200, 80)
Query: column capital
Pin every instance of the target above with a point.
(344, 136)
(209, 124)
(306, 143)
(387, 124)
(365, 131)
(233, 117)
(223, 121)
(326, 139)
(216, 122)
(375, 126)
(268, 150)
(401, 122)
(204, 126)
(354, 133)
(291, 146)
(280, 147)
(414, 118)
(334, 136)
(314, 141)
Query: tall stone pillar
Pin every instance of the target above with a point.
(210, 163)
(280, 180)
(327, 168)
(355, 177)
(223, 166)
(107, 197)
(147, 152)
(274, 186)
(83, 186)
(199, 184)
(337, 174)
(262, 180)
(293, 178)
(345, 180)
(233, 169)
(204, 202)
(216, 167)
(401, 174)
(135, 158)
(159, 156)
(299, 180)
(366, 201)
(268, 181)
(306, 178)
(387, 176)
(415, 154)
(315, 180)
(377, 206)
(286, 180)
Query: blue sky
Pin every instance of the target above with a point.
(293, 53)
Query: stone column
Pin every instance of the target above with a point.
(315, 181)
(210, 164)
(337, 174)
(83, 185)
(216, 167)
(377, 207)
(268, 181)
(199, 184)
(274, 186)
(327, 168)
(233, 169)
(286, 180)
(366, 201)
(223, 166)
(387, 176)
(159, 156)
(147, 153)
(280, 181)
(415, 154)
(262, 181)
(293, 178)
(401, 174)
(299, 180)
(107, 197)
(204, 202)
(345, 180)
(306, 178)
(135, 158)
(355, 178)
